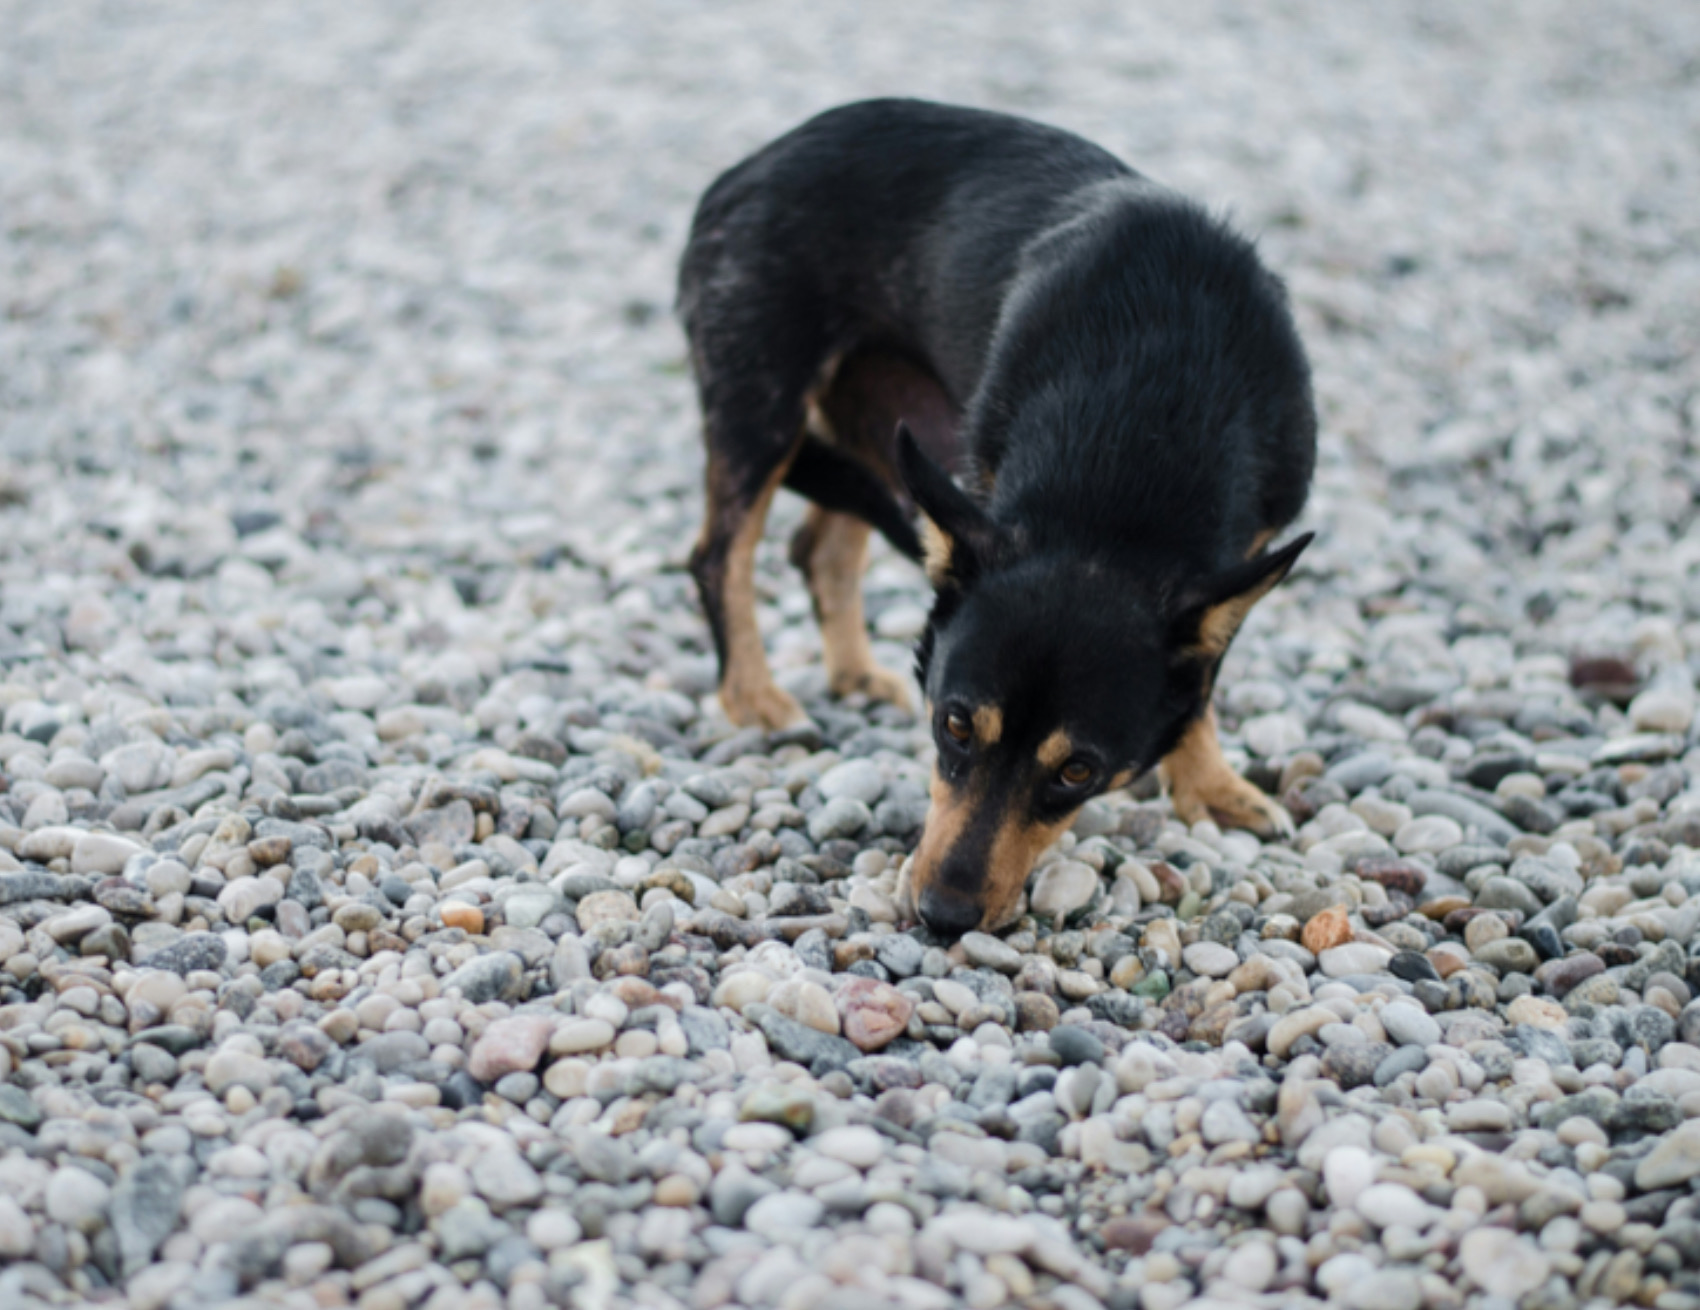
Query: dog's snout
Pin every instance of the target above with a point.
(948, 913)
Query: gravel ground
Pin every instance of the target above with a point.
(389, 916)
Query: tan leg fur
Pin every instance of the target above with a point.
(748, 692)
(838, 549)
(1202, 786)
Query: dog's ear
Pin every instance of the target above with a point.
(957, 537)
(1210, 615)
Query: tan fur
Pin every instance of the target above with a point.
(1014, 849)
(1055, 750)
(935, 551)
(1258, 542)
(1120, 780)
(947, 815)
(988, 725)
(1222, 621)
(1202, 786)
(838, 550)
(748, 692)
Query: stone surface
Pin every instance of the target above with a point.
(510, 1045)
(1501, 1263)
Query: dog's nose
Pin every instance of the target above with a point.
(949, 914)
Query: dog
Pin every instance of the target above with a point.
(1075, 396)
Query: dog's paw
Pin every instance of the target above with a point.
(1232, 802)
(762, 706)
(876, 684)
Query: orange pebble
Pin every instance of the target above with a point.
(458, 914)
(1330, 928)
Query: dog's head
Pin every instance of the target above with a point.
(1049, 679)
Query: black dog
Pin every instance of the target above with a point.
(1118, 382)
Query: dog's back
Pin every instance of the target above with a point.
(927, 208)
(1127, 351)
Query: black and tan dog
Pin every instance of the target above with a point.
(897, 288)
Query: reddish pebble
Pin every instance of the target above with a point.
(512, 1045)
(1329, 929)
(1132, 1233)
(874, 1013)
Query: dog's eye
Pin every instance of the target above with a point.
(1076, 773)
(958, 726)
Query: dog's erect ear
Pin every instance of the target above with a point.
(1211, 614)
(958, 538)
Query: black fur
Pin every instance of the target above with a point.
(1120, 384)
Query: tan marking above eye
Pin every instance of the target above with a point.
(988, 724)
(1055, 750)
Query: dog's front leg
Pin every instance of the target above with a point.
(1202, 786)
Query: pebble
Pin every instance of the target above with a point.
(1062, 888)
(76, 1198)
(511, 1045)
(1502, 1263)
(1210, 959)
(874, 1013)
(808, 1003)
(1354, 958)
(459, 914)
(576, 1036)
(1409, 1025)
(1326, 930)
(1429, 833)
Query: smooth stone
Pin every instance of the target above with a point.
(987, 952)
(873, 1013)
(1210, 959)
(102, 853)
(1664, 707)
(1346, 1172)
(860, 780)
(511, 1045)
(580, 1035)
(1429, 832)
(76, 1198)
(1409, 1025)
(505, 1180)
(487, 977)
(856, 1146)
(1502, 1263)
(1063, 887)
(807, 1002)
(1673, 1162)
(1509, 955)
(144, 1210)
(1388, 1204)
(1354, 958)
(844, 817)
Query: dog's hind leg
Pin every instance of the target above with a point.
(724, 565)
(831, 548)
(1202, 786)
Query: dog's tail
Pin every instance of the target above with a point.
(836, 481)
